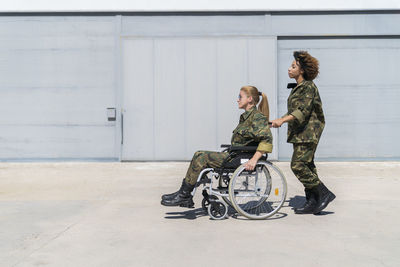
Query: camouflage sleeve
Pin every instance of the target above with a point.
(261, 133)
(302, 106)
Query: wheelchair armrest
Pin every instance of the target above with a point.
(243, 148)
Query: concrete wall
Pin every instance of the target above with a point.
(58, 74)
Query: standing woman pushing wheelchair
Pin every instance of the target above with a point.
(306, 122)
(252, 127)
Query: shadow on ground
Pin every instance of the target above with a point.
(298, 201)
(192, 214)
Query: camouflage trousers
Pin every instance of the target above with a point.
(202, 160)
(302, 164)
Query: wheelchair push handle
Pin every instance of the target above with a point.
(239, 148)
(243, 148)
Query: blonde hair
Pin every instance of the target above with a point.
(255, 94)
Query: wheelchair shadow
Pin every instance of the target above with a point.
(193, 214)
(276, 216)
(234, 214)
(298, 201)
(196, 213)
(187, 214)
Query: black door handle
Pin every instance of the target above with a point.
(122, 128)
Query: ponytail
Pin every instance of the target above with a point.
(263, 107)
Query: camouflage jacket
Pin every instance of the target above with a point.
(253, 127)
(304, 103)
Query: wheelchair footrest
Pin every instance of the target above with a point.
(203, 181)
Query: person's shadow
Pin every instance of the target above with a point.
(298, 201)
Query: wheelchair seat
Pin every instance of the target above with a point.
(239, 155)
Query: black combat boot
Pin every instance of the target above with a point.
(310, 204)
(183, 198)
(172, 195)
(324, 196)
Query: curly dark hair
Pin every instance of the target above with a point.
(308, 64)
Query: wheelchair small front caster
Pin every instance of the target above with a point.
(206, 202)
(217, 210)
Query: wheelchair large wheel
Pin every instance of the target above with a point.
(260, 193)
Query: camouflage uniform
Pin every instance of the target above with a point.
(304, 103)
(253, 127)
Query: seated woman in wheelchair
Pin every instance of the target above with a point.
(252, 128)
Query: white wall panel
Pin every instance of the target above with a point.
(51, 70)
(169, 99)
(320, 24)
(232, 73)
(201, 95)
(359, 88)
(218, 25)
(138, 99)
(60, 141)
(262, 74)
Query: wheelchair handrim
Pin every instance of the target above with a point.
(242, 211)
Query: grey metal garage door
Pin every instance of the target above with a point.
(360, 90)
(179, 94)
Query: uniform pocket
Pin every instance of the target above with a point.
(242, 132)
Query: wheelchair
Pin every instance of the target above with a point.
(256, 194)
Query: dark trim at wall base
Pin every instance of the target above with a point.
(41, 160)
(137, 14)
(201, 13)
(319, 37)
(336, 12)
(60, 160)
(395, 159)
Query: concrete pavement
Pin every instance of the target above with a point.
(109, 214)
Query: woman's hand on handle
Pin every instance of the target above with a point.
(278, 122)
